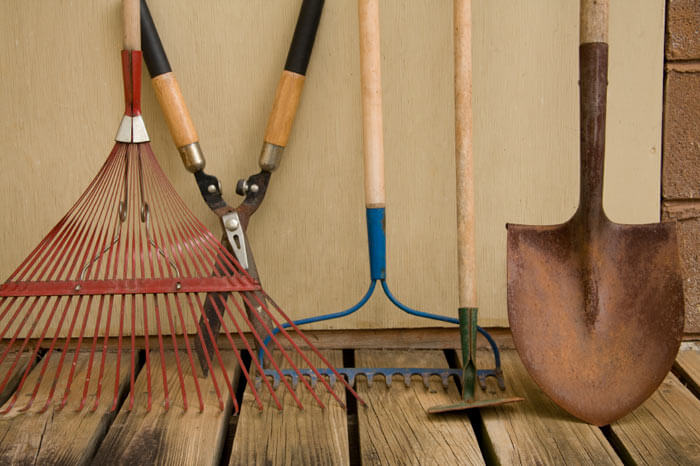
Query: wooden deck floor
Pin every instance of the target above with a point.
(392, 429)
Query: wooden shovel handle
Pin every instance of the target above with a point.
(594, 21)
(466, 252)
(371, 78)
(132, 32)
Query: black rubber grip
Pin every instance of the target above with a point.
(304, 35)
(153, 53)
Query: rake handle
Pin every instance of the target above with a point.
(466, 251)
(132, 34)
(371, 78)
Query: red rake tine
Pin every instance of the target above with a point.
(244, 315)
(236, 352)
(189, 354)
(206, 353)
(284, 354)
(173, 333)
(301, 353)
(254, 359)
(315, 350)
(218, 354)
(46, 358)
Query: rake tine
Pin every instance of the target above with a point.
(75, 356)
(180, 374)
(313, 348)
(206, 354)
(253, 358)
(284, 353)
(263, 346)
(119, 356)
(26, 340)
(218, 355)
(236, 352)
(166, 392)
(47, 357)
(92, 356)
(189, 354)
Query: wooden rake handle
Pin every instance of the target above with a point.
(132, 32)
(371, 77)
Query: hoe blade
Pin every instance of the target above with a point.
(596, 312)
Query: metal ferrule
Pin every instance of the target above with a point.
(132, 129)
(377, 243)
(192, 157)
(270, 156)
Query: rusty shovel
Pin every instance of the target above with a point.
(595, 307)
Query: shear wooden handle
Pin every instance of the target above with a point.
(594, 21)
(371, 78)
(132, 36)
(288, 92)
(169, 96)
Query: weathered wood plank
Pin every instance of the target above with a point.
(395, 427)
(536, 431)
(16, 375)
(688, 365)
(310, 436)
(60, 436)
(665, 429)
(174, 436)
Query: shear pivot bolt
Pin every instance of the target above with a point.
(231, 224)
(211, 189)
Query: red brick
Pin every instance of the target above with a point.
(681, 148)
(688, 216)
(683, 30)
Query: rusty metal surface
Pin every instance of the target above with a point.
(595, 307)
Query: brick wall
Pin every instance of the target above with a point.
(681, 147)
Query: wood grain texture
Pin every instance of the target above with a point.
(395, 427)
(372, 115)
(63, 100)
(464, 155)
(594, 21)
(174, 109)
(310, 436)
(688, 365)
(59, 436)
(536, 431)
(174, 436)
(287, 97)
(665, 429)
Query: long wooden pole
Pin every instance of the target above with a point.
(466, 252)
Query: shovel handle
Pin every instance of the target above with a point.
(371, 77)
(594, 21)
(466, 252)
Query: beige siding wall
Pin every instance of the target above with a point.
(62, 103)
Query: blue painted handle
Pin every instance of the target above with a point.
(377, 243)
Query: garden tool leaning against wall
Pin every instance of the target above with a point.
(235, 220)
(375, 203)
(596, 307)
(466, 249)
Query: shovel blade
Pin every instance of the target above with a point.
(596, 313)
